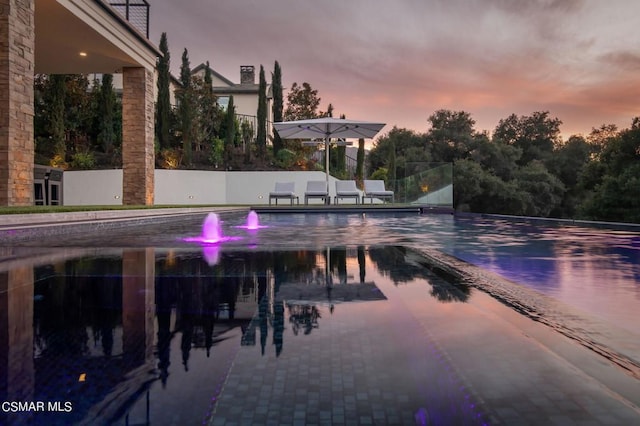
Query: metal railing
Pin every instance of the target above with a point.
(134, 11)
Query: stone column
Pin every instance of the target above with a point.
(17, 42)
(138, 157)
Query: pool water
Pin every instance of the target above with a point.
(316, 319)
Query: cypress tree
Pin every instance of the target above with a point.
(278, 104)
(163, 103)
(360, 163)
(261, 137)
(230, 124)
(56, 117)
(106, 108)
(341, 152)
(209, 120)
(186, 107)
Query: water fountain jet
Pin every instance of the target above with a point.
(253, 222)
(211, 231)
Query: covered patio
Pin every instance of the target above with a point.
(72, 37)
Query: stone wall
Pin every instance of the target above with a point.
(17, 41)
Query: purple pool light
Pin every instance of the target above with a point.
(211, 232)
(252, 222)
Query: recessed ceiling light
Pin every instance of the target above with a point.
(83, 54)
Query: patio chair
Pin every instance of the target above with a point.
(375, 189)
(347, 189)
(284, 190)
(316, 189)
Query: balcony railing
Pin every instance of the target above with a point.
(134, 11)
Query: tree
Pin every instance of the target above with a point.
(409, 147)
(544, 191)
(230, 132)
(617, 198)
(600, 137)
(451, 135)
(568, 164)
(360, 163)
(340, 155)
(185, 107)
(302, 102)
(329, 112)
(78, 114)
(391, 167)
(615, 179)
(106, 114)
(246, 129)
(261, 136)
(66, 118)
(278, 104)
(208, 120)
(163, 104)
(497, 158)
(536, 135)
(480, 191)
(56, 119)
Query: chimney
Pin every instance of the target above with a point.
(247, 74)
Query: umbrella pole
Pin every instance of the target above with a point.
(326, 165)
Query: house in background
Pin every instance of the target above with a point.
(245, 94)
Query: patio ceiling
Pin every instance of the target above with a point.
(67, 29)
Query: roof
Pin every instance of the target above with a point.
(202, 67)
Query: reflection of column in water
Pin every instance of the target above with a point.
(278, 326)
(17, 377)
(138, 278)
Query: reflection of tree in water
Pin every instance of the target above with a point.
(303, 317)
(77, 300)
(403, 265)
(362, 265)
(198, 294)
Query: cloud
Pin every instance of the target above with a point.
(400, 61)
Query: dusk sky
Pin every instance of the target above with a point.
(399, 61)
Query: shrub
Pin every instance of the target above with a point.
(285, 158)
(83, 161)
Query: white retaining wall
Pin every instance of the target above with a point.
(185, 187)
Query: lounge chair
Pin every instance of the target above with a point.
(284, 190)
(375, 189)
(347, 189)
(316, 189)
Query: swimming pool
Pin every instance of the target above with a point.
(315, 319)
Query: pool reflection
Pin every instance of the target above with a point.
(122, 338)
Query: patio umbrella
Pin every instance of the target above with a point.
(327, 128)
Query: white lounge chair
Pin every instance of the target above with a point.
(316, 189)
(284, 190)
(347, 189)
(375, 189)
